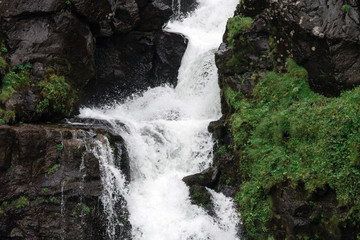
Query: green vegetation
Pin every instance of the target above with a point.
(51, 199)
(81, 210)
(228, 181)
(40, 200)
(20, 202)
(54, 200)
(107, 135)
(222, 149)
(68, 2)
(57, 94)
(345, 8)
(288, 133)
(85, 209)
(12, 82)
(113, 148)
(15, 80)
(6, 116)
(3, 64)
(236, 25)
(46, 189)
(53, 169)
(59, 147)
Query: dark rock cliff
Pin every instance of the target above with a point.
(51, 184)
(54, 56)
(88, 52)
(272, 114)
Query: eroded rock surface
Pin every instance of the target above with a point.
(322, 36)
(102, 50)
(51, 184)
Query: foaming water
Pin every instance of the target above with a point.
(167, 139)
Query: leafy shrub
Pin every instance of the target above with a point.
(15, 80)
(6, 116)
(58, 97)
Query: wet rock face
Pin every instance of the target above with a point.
(299, 216)
(133, 53)
(51, 185)
(80, 40)
(321, 36)
(131, 63)
(184, 6)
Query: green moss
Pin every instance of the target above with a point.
(59, 147)
(14, 80)
(287, 133)
(20, 202)
(3, 64)
(6, 116)
(236, 25)
(54, 200)
(81, 210)
(222, 149)
(57, 96)
(107, 135)
(40, 200)
(53, 169)
(85, 209)
(1, 211)
(345, 8)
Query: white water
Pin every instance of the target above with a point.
(167, 139)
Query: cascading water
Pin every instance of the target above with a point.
(167, 139)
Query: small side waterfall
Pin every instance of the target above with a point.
(167, 139)
(114, 186)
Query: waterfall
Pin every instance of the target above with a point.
(167, 139)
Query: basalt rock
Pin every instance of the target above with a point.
(52, 40)
(51, 183)
(182, 7)
(322, 37)
(134, 62)
(302, 215)
(62, 38)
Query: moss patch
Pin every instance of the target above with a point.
(14, 80)
(20, 202)
(3, 64)
(287, 133)
(57, 96)
(236, 25)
